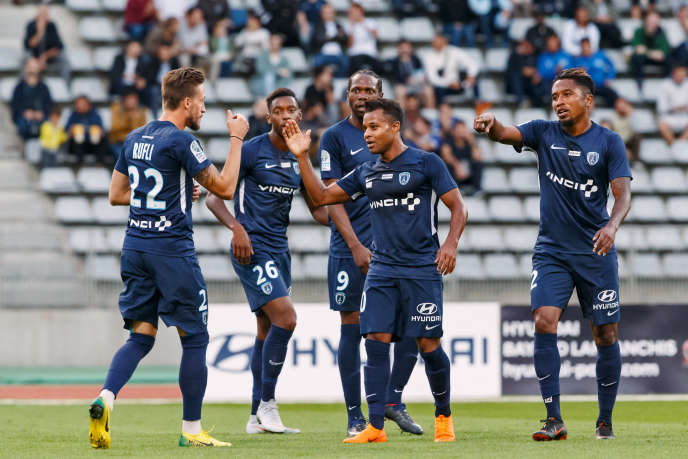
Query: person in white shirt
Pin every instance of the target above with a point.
(250, 42)
(672, 105)
(577, 29)
(450, 70)
(193, 35)
(362, 40)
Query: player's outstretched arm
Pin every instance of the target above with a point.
(604, 238)
(120, 191)
(319, 213)
(299, 143)
(223, 184)
(446, 255)
(241, 242)
(488, 124)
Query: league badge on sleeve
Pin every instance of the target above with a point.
(593, 157)
(197, 151)
(325, 164)
(404, 178)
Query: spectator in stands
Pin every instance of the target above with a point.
(551, 61)
(522, 78)
(442, 126)
(407, 74)
(273, 69)
(52, 137)
(215, 11)
(86, 133)
(650, 46)
(603, 14)
(321, 91)
(482, 9)
(640, 7)
(257, 121)
(164, 33)
(124, 70)
(419, 135)
(126, 115)
(152, 70)
(31, 101)
(315, 119)
(172, 8)
(682, 16)
(283, 19)
(412, 107)
(537, 34)
(362, 33)
(410, 8)
(312, 10)
(193, 37)
(577, 29)
(502, 13)
(329, 41)
(463, 158)
(450, 70)
(459, 22)
(600, 69)
(221, 51)
(42, 41)
(672, 105)
(561, 8)
(250, 42)
(622, 124)
(139, 18)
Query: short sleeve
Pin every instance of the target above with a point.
(530, 133)
(248, 159)
(351, 183)
(618, 165)
(192, 156)
(439, 175)
(121, 164)
(330, 157)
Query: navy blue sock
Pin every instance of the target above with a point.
(274, 353)
(405, 358)
(349, 361)
(126, 359)
(547, 365)
(193, 374)
(438, 370)
(608, 374)
(376, 378)
(257, 372)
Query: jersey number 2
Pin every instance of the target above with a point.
(151, 202)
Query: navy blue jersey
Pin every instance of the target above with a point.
(402, 198)
(268, 179)
(342, 148)
(574, 173)
(161, 162)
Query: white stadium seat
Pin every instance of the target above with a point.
(315, 266)
(628, 88)
(115, 6)
(496, 59)
(388, 29)
(233, 90)
(643, 121)
(505, 209)
(73, 209)
(648, 209)
(523, 115)
(309, 239)
(495, 180)
(618, 60)
(300, 213)
(7, 86)
(631, 237)
(485, 238)
(58, 180)
(204, 240)
(80, 59)
(664, 237)
(531, 208)
(647, 265)
(506, 154)
(520, 238)
(84, 6)
(92, 87)
(641, 180)
(103, 267)
(524, 180)
(679, 151)
(58, 89)
(675, 265)
(469, 266)
(104, 56)
(214, 122)
(87, 240)
(216, 267)
(477, 209)
(97, 29)
(217, 149)
(669, 180)
(114, 236)
(501, 266)
(10, 59)
(490, 90)
(525, 264)
(107, 214)
(677, 208)
(297, 60)
(655, 151)
(93, 179)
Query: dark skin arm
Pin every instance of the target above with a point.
(241, 243)
(319, 213)
(488, 124)
(446, 255)
(604, 238)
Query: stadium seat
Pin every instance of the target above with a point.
(97, 29)
(387, 29)
(223, 236)
(618, 59)
(524, 180)
(630, 237)
(32, 151)
(341, 6)
(10, 59)
(531, 208)
(58, 180)
(668, 180)
(641, 180)
(93, 179)
(299, 211)
(217, 149)
(520, 238)
(104, 56)
(80, 59)
(58, 89)
(465, 114)
(673, 31)
(525, 264)
(214, 122)
(646, 265)
(679, 151)
(496, 59)
(315, 266)
(204, 240)
(490, 90)
(87, 240)
(664, 237)
(92, 87)
(477, 209)
(518, 29)
(216, 268)
(648, 209)
(506, 154)
(675, 265)
(495, 180)
(73, 209)
(297, 60)
(7, 86)
(624, 269)
(114, 6)
(487, 150)
(114, 236)
(655, 151)
(103, 267)
(107, 214)
(628, 27)
(652, 89)
(485, 238)
(209, 93)
(84, 6)
(643, 121)
(677, 208)
(628, 88)
(469, 266)
(505, 209)
(299, 86)
(233, 90)
(477, 56)
(501, 266)
(297, 270)
(523, 115)
(309, 239)
(503, 115)
(598, 115)
(375, 6)
(106, 116)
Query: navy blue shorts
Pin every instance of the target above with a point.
(266, 277)
(402, 307)
(345, 283)
(171, 288)
(595, 277)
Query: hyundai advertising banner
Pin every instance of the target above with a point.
(310, 372)
(653, 342)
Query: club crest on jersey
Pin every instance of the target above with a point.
(266, 287)
(404, 178)
(340, 297)
(593, 157)
(197, 151)
(295, 165)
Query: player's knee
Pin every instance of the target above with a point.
(289, 320)
(196, 340)
(428, 344)
(605, 336)
(143, 341)
(545, 322)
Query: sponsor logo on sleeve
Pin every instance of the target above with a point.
(198, 151)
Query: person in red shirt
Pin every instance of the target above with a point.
(139, 18)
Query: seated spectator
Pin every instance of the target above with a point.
(164, 33)
(410, 8)
(321, 91)
(482, 9)
(650, 47)
(502, 13)
(522, 78)
(51, 138)
(407, 73)
(86, 133)
(221, 51)
(328, 42)
(412, 107)
(577, 29)
(152, 70)
(139, 18)
(551, 61)
(215, 11)
(283, 19)
(603, 14)
(458, 22)
(443, 125)
(537, 34)
(561, 8)
(463, 158)
(600, 69)
(123, 73)
(31, 102)
(419, 135)
(672, 106)
(250, 42)
(193, 37)
(127, 115)
(257, 121)
(362, 33)
(312, 10)
(42, 41)
(172, 8)
(623, 125)
(450, 70)
(272, 69)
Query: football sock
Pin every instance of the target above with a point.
(349, 361)
(109, 397)
(608, 370)
(376, 378)
(438, 370)
(191, 427)
(126, 359)
(274, 353)
(405, 358)
(257, 372)
(193, 375)
(547, 365)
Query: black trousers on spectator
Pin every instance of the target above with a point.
(473, 183)
(638, 63)
(607, 94)
(363, 61)
(101, 151)
(522, 86)
(610, 35)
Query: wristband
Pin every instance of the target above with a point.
(240, 138)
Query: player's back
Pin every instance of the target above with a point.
(161, 161)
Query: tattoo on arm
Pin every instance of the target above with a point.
(207, 177)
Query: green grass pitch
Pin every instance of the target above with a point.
(500, 429)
